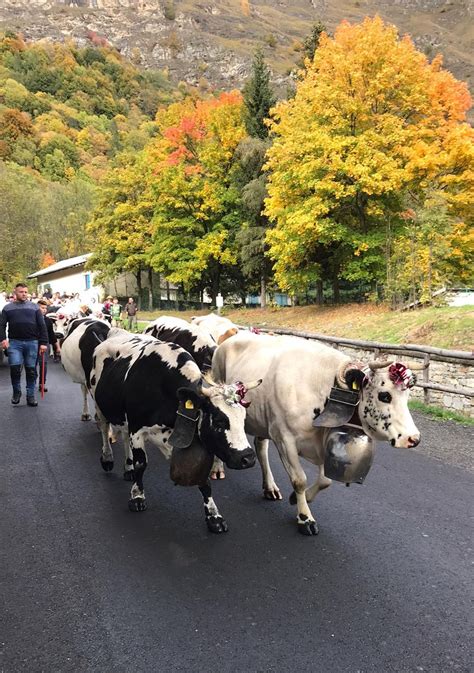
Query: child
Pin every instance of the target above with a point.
(53, 341)
(115, 312)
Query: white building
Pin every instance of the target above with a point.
(70, 276)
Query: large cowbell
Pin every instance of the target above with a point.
(190, 461)
(349, 455)
(339, 408)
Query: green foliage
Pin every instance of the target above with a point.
(65, 115)
(311, 43)
(36, 216)
(258, 98)
(439, 413)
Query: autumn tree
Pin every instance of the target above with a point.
(196, 201)
(372, 121)
(120, 228)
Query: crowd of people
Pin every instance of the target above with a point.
(27, 332)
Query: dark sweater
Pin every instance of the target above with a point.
(25, 321)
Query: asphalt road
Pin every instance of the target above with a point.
(89, 586)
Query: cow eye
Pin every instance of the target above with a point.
(385, 397)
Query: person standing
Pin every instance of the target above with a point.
(27, 336)
(116, 313)
(131, 311)
(53, 342)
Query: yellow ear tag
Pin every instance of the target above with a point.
(355, 385)
(189, 404)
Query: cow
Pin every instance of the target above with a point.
(218, 327)
(154, 390)
(298, 376)
(77, 348)
(194, 339)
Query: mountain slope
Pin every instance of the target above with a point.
(212, 43)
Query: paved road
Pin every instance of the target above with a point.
(89, 586)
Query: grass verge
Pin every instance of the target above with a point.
(439, 413)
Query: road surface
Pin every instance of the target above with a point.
(89, 586)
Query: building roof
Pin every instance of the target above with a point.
(63, 264)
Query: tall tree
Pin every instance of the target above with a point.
(196, 201)
(120, 229)
(372, 120)
(258, 98)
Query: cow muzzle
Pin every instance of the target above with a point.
(240, 460)
(407, 441)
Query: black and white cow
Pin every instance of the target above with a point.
(77, 349)
(196, 341)
(297, 379)
(151, 388)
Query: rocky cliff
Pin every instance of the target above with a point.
(213, 42)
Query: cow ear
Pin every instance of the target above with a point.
(227, 334)
(354, 378)
(190, 398)
(186, 418)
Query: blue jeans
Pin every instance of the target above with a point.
(23, 352)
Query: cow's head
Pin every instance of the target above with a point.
(383, 407)
(219, 413)
(61, 322)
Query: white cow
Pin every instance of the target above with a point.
(297, 379)
(218, 327)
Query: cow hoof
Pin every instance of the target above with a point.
(129, 475)
(272, 493)
(308, 528)
(217, 524)
(85, 417)
(137, 504)
(217, 474)
(107, 465)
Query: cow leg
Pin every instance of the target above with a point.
(107, 455)
(128, 473)
(85, 416)
(320, 484)
(217, 469)
(307, 524)
(215, 522)
(270, 489)
(137, 502)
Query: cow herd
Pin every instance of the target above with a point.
(195, 390)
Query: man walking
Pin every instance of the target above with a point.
(27, 336)
(131, 311)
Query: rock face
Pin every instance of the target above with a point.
(212, 43)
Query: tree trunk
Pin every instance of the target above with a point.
(150, 289)
(263, 292)
(319, 292)
(335, 289)
(168, 295)
(138, 276)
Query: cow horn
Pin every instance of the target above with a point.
(416, 366)
(253, 384)
(377, 364)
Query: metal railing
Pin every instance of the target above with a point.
(428, 353)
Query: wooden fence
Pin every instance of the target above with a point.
(426, 353)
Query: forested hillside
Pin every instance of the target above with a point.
(358, 185)
(65, 113)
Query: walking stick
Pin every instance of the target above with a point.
(42, 375)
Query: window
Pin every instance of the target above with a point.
(87, 278)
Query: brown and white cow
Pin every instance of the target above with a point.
(297, 379)
(218, 327)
